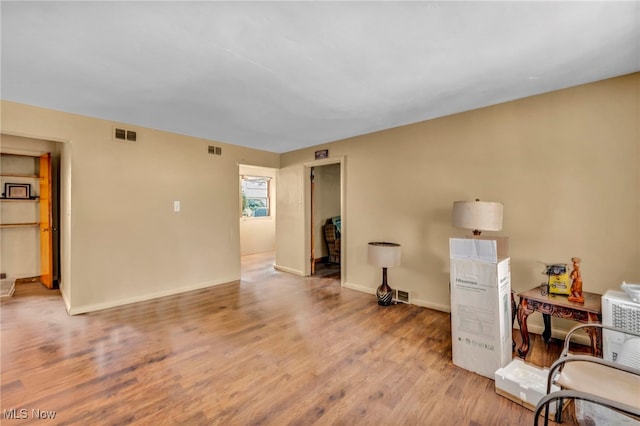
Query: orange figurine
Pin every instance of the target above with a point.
(576, 282)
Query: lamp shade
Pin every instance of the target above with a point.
(477, 215)
(384, 255)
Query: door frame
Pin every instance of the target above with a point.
(343, 214)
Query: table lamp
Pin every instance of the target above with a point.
(477, 215)
(384, 255)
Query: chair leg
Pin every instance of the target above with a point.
(546, 415)
(536, 415)
(559, 405)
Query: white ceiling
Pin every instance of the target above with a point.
(279, 76)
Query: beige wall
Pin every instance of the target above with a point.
(125, 242)
(565, 164)
(290, 221)
(258, 234)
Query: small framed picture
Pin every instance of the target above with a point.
(322, 154)
(17, 190)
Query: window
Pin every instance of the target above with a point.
(255, 196)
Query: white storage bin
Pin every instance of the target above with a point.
(524, 383)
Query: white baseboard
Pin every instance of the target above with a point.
(359, 288)
(431, 305)
(100, 306)
(64, 297)
(561, 334)
(417, 302)
(581, 339)
(289, 270)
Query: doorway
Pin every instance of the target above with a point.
(326, 220)
(29, 238)
(257, 211)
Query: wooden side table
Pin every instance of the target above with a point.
(558, 306)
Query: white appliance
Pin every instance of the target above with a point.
(618, 310)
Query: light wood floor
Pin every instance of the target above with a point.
(272, 349)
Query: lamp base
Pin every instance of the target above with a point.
(384, 293)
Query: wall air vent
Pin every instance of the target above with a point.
(214, 150)
(124, 135)
(119, 134)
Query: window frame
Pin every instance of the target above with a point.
(267, 199)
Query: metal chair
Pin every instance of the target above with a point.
(615, 385)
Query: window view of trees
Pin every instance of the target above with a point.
(255, 196)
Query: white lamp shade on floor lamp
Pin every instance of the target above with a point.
(478, 215)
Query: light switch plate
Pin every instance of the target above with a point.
(176, 206)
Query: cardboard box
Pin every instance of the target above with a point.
(524, 383)
(486, 249)
(481, 315)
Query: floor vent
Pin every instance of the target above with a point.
(7, 287)
(401, 296)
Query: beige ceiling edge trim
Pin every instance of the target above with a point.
(334, 160)
(33, 136)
